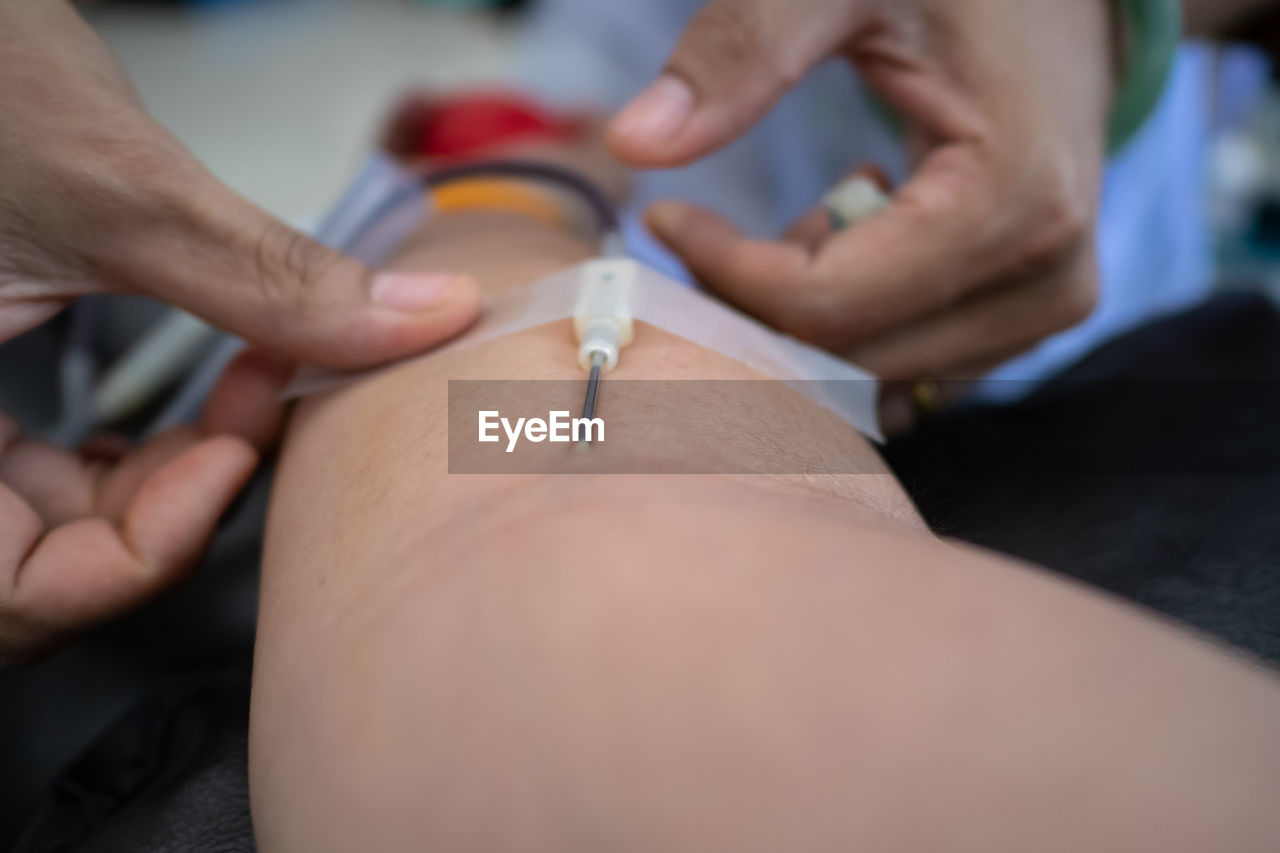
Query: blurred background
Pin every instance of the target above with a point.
(280, 98)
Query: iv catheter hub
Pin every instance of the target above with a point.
(603, 320)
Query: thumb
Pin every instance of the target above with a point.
(735, 60)
(231, 264)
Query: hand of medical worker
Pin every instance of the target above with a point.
(88, 536)
(95, 196)
(984, 252)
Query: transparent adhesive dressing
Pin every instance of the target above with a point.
(652, 298)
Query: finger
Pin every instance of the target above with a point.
(114, 488)
(61, 487)
(966, 221)
(847, 290)
(772, 281)
(176, 510)
(735, 60)
(224, 260)
(102, 479)
(944, 236)
(245, 404)
(20, 628)
(18, 316)
(57, 486)
(828, 303)
(969, 340)
(247, 401)
(811, 230)
(817, 226)
(88, 571)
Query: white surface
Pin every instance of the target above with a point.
(281, 99)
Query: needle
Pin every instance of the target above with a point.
(593, 386)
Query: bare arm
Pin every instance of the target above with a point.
(698, 663)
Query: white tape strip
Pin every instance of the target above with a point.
(850, 392)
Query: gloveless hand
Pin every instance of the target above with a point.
(88, 536)
(96, 197)
(986, 250)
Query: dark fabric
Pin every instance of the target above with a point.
(51, 713)
(1151, 469)
(171, 776)
(1103, 476)
(1261, 29)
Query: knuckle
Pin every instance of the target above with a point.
(288, 267)
(818, 314)
(726, 34)
(1067, 219)
(1062, 225)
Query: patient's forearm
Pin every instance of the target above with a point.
(697, 663)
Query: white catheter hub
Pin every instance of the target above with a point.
(603, 318)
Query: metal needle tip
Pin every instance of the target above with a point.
(593, 387)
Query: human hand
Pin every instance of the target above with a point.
(984, 252)
(97, 197)
(86, 537)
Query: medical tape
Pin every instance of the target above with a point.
(849, 392)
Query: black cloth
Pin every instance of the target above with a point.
(1151, 469)
(170, 777)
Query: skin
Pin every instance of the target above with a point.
(96, 197)
(87, 536)
(986, 250)
(699, 663)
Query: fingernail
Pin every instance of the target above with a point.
(658, 113)
(410, 292)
